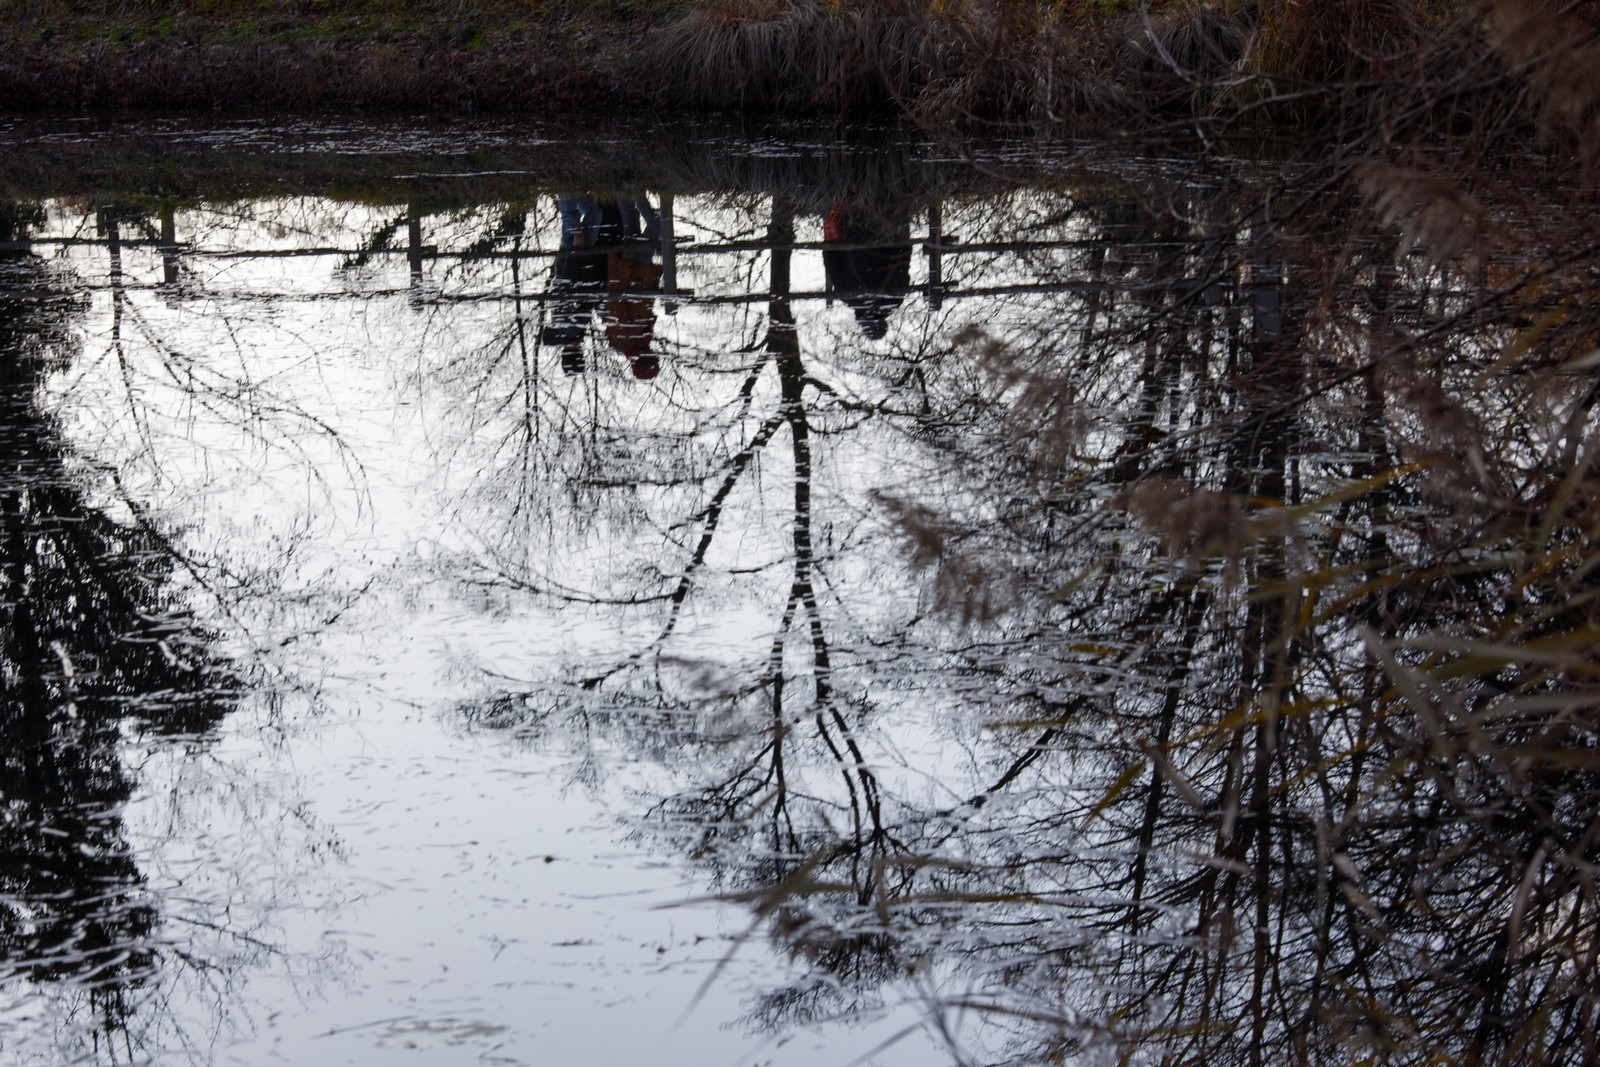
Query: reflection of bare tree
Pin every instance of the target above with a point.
(1285, 836)
(1274, 689)
(95, 644)
(1288, 644)
(721, 481)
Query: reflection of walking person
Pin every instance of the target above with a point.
(870, 280)
(631, 320)
(579, 274)
(609, 243)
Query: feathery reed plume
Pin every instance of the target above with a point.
(966, 585)
(1197, 523)
(1558, 53)
(1434, 215)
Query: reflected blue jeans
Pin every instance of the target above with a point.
(580, 221)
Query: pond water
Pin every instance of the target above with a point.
(741, 596)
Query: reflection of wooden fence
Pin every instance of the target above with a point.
(679, 296)
(1263, 296)
(934, 247)
(682, 248)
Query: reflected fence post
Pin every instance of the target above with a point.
(169, 246)
(106, 223)
(933, 248)
(669, 255)
(1266, 306)
(782, 338)
(780, 236)
(414, 244)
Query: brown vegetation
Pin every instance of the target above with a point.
(949, 64)
(1057, 65)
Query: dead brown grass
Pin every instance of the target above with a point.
(782, 54)
(970, 59)
(962, 61)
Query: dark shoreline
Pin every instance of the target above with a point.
(444, 160)
(1096, 68)
(1178, 68)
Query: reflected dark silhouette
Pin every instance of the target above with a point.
(872, 270)
(606, 246)
(93, 643)
(580, 277)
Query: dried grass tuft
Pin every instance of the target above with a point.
(1332, 42)
(778, 54)
(973, 59)
(962, 61)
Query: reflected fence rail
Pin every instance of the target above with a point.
(934, 248)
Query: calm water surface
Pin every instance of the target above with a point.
(464, 615)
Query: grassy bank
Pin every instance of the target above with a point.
(949, 62)
(318, 55)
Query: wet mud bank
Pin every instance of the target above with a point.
(413, 76)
